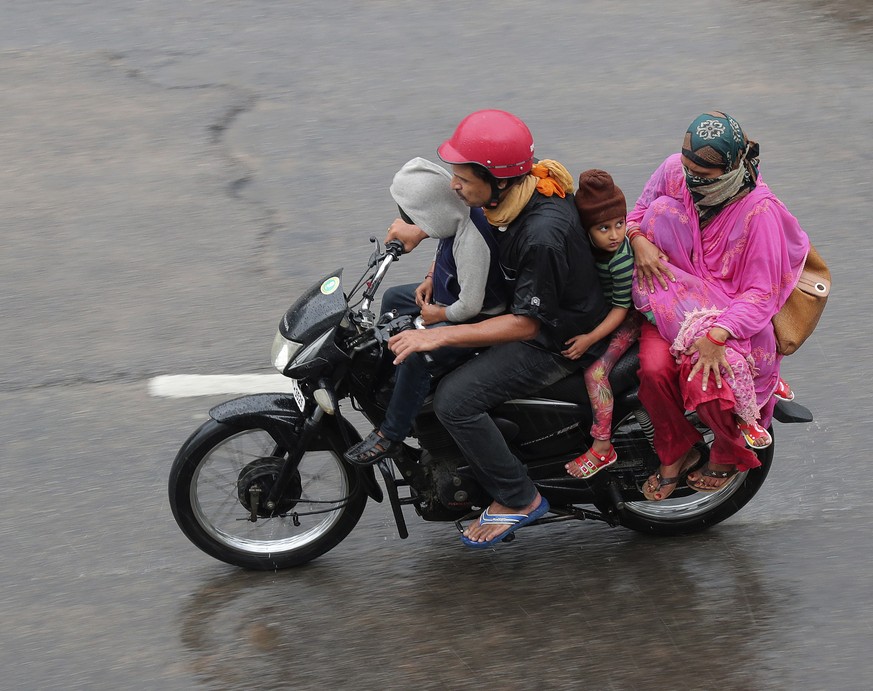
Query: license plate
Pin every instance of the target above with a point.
(299, 398)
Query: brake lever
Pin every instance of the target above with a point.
(377, 252)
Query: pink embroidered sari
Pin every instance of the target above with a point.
(736, 273)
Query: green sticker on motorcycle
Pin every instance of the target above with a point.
(330, 285)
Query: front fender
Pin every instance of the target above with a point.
(276, 412)
(273, 407)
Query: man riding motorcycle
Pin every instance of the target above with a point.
(554, 294)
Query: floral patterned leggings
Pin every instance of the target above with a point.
(597, 374)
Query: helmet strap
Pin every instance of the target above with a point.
(496, 190)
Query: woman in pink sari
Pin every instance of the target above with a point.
(717, 255)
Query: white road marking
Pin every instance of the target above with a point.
(186, 385)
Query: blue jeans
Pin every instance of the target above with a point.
(400, 298)
(464, 398)
(414, 375)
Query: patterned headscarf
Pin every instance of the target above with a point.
(716, 140)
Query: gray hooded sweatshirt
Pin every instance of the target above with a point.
(421, 188)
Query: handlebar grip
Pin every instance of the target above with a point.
(394, 248)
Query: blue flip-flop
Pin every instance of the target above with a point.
(513, 520)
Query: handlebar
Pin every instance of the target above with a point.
(388, 325)
(393, 250)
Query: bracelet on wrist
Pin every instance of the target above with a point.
(714, 340)
(634, 233)
(430, 275)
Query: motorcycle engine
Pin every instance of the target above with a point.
(455, 491)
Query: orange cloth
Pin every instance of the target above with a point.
(546, 184)
(546, 177)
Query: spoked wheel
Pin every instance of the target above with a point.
(219, 485)
(687, 511)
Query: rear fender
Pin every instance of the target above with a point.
(278, 414)
(789, 411)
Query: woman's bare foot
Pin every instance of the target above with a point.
(477, 532)
(660, 485)
(711, 477)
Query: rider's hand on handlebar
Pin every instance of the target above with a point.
(406, 233)
(414, 341)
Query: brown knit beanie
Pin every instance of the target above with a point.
(598, 198)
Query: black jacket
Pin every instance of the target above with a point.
(546, 260)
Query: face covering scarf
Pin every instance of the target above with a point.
(716, 140)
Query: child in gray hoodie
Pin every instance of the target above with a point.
(463, 284)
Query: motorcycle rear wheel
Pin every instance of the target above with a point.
(686, 511)
(209, 493)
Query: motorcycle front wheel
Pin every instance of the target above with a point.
(221, 473)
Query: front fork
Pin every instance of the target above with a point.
(295, 450)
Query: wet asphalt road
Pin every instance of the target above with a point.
(173, 174)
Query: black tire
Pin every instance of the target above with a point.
(686, 511)
(209, 502)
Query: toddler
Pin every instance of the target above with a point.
(602, 208)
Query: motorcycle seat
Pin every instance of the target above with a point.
(571, 389)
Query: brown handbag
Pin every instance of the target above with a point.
(799, 315)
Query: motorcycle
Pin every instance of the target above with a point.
(263, 483)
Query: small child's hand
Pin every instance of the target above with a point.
(432, 314)
(578, 345)
(424, 292)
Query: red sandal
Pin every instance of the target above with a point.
(783, 392)
(756, 436)
(591, 462)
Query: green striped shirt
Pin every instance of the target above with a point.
(616, 276)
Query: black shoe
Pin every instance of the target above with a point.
(372, 450)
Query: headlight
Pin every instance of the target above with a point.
(283, 351)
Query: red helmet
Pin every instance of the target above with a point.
(495, 139)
